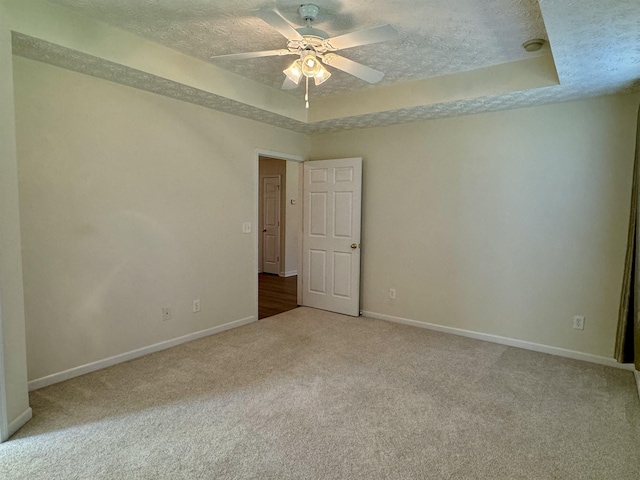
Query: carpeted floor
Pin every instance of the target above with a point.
(314, 395)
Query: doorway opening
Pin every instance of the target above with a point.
(278, 226)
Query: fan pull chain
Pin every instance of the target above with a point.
(306, 94)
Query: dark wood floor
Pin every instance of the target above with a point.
(276, 294)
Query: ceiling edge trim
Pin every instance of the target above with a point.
(61, 26)
(533, 73)
(46, 52)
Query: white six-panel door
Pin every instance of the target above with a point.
(331, 235)
(271, 224)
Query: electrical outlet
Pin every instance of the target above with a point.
(392, 293)
(166, 313)
(578, 322)
(196, 306)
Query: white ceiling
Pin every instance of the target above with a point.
(595, 46)
(436, 37)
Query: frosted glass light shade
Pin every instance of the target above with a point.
(294, 71)
(310, 65)
(322, 75)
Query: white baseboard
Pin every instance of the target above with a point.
(636, 373)
(292, 273)
(511, 342)
(125, 357)
(23, 418)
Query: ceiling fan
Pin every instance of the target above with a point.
(314, 48)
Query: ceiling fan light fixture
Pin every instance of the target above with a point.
(294, 71)
(322, 75)
(310, 64)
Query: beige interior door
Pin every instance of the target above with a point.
(331, 235)
(271, 224)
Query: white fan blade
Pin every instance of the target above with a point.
(353, 68)
(264, 53)
(289, 84)
(364, 37)
(279, 23)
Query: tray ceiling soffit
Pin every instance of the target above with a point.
(452, 57)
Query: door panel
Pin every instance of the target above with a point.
(342, 274)
(270, 249)
(331, 236)
(318, 271)
(318, 214)
(343, 219)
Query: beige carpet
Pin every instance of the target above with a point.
(313, 395)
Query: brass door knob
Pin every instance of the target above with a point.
(354, 245)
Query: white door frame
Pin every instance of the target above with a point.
(4, 420)
(258, 230)
(12, 319)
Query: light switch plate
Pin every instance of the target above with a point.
(246, 227)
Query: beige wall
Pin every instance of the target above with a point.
(507, 223)
(129, 202)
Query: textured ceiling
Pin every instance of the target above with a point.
(436, 37)
(595, 46)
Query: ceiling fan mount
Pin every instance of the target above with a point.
(309, 12)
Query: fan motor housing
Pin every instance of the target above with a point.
(312, 32)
